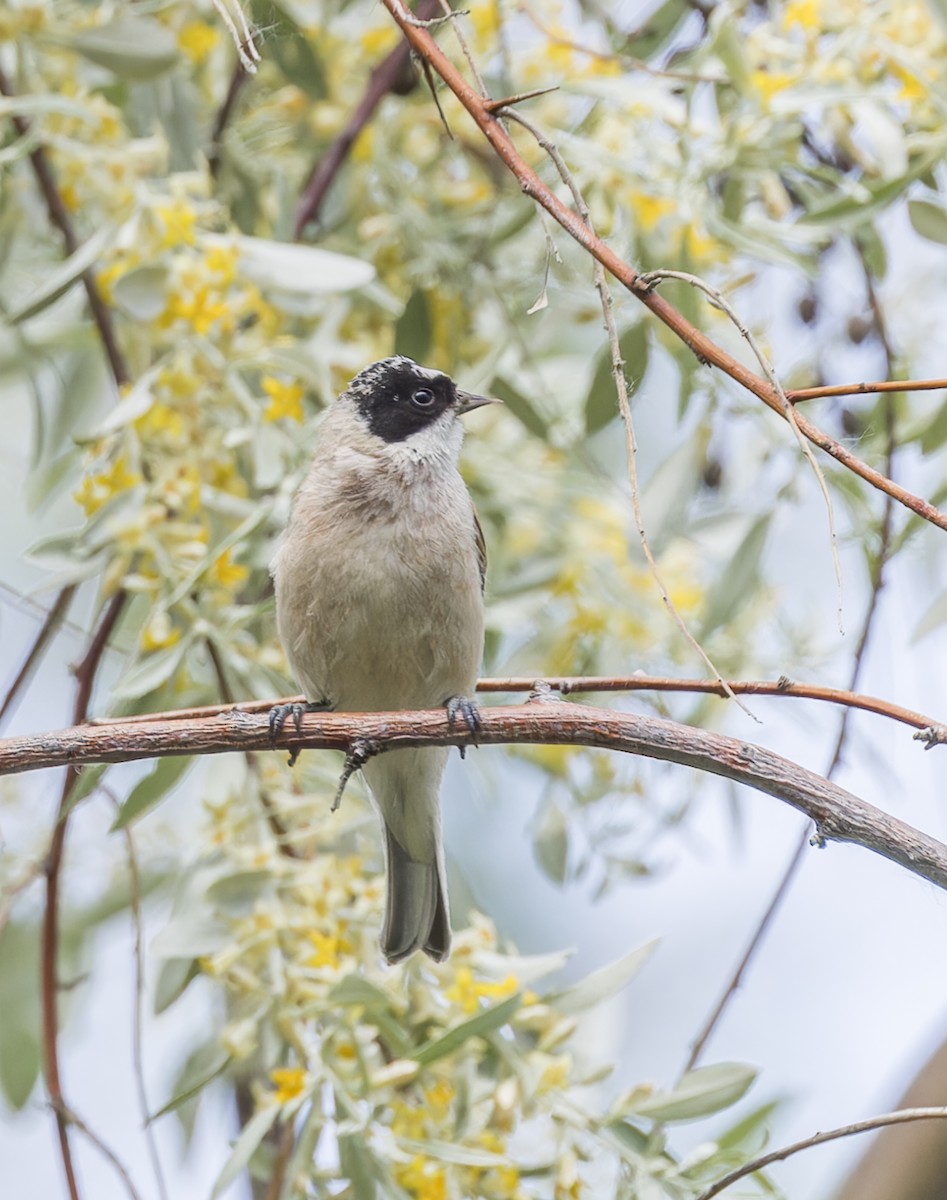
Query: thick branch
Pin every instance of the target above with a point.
(838, 815)
(706, 350)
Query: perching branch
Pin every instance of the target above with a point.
(796, 395)
(573, 685)
(706, 350)
(838, 815)
(901, 1117)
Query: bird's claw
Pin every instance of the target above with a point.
(461, 707)
(360, 751)
(279, 714)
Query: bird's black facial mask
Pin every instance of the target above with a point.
(396, 399)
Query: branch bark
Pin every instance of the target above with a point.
(838, 815)
(706, 350)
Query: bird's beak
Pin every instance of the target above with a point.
(467, 402)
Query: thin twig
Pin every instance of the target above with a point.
(653, 277)
(706, 350)
(60, 218)
(383, 79)
(243, 39)
(49, 954)
(796, 395)
(574, 685)
(877, 583)
(238, 78)
(838, 815)
(44, 636)
(901, 1117)
(138, 1041)
(72, 1118)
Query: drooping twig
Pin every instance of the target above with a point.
(901, 1117)
(47, 630)
(695, 281)
(238, 78)
(384, 79)
(60, 218)
(876, 582)
(706, 350)
(838, 815)
(72, 1118)
(49, 951)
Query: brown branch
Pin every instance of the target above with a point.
(238, 78)
(45, 634)
(901, 1117)
(49, 982)
(706, 350)
(569, 685)
(795, 395)
(839, 816)
(59, 216)
(385, 78)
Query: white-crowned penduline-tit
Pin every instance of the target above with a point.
(379, 606)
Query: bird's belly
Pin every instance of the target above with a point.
(374, 626)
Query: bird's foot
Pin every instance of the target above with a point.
(360, 751)
(462, 708)
(279, 714)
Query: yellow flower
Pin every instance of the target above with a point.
(227, 573)
(289, 1082)
(468, 992)
(197, 39)
(159, 633)
(96, 490)
(376, 42)
(650, 209)
(285, 399)
(804, 13)
(423, 1179)
(769, 83)
(327, 949)
(222, 261)
(178, 221)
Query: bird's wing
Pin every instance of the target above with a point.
(481, 549)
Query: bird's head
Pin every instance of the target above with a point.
(396, 399)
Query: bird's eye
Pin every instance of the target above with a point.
(423, 398)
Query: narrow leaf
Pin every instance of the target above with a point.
(483, 1023)
(65, 276)
(601, 984)
(413, 330)
(929, 220)
(252, 1134)
(135, 48)
(601, 403)
(520, 407)
(154, 787)
(699, 1093)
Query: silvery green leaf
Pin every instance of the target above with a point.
(149, 673)
(62, 278)
(132, 406)
(291, 268)
(483, 1023)
(413, 329)
(928, 219)
(550, 835)
(202, 1067)
(736, 582)
(174, 975)
(146, 793)
(134, 48)
(19, 1004)
(141, 293)
(236, 894)
(250, 1137)
(601, 984)
(699, 1093)
(449, 1152)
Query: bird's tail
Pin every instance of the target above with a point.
(416, 917)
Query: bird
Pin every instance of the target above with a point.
(379, 580)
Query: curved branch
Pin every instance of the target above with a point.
(569, 685)
(706, 350)
(900, 1117)
(838, 815)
